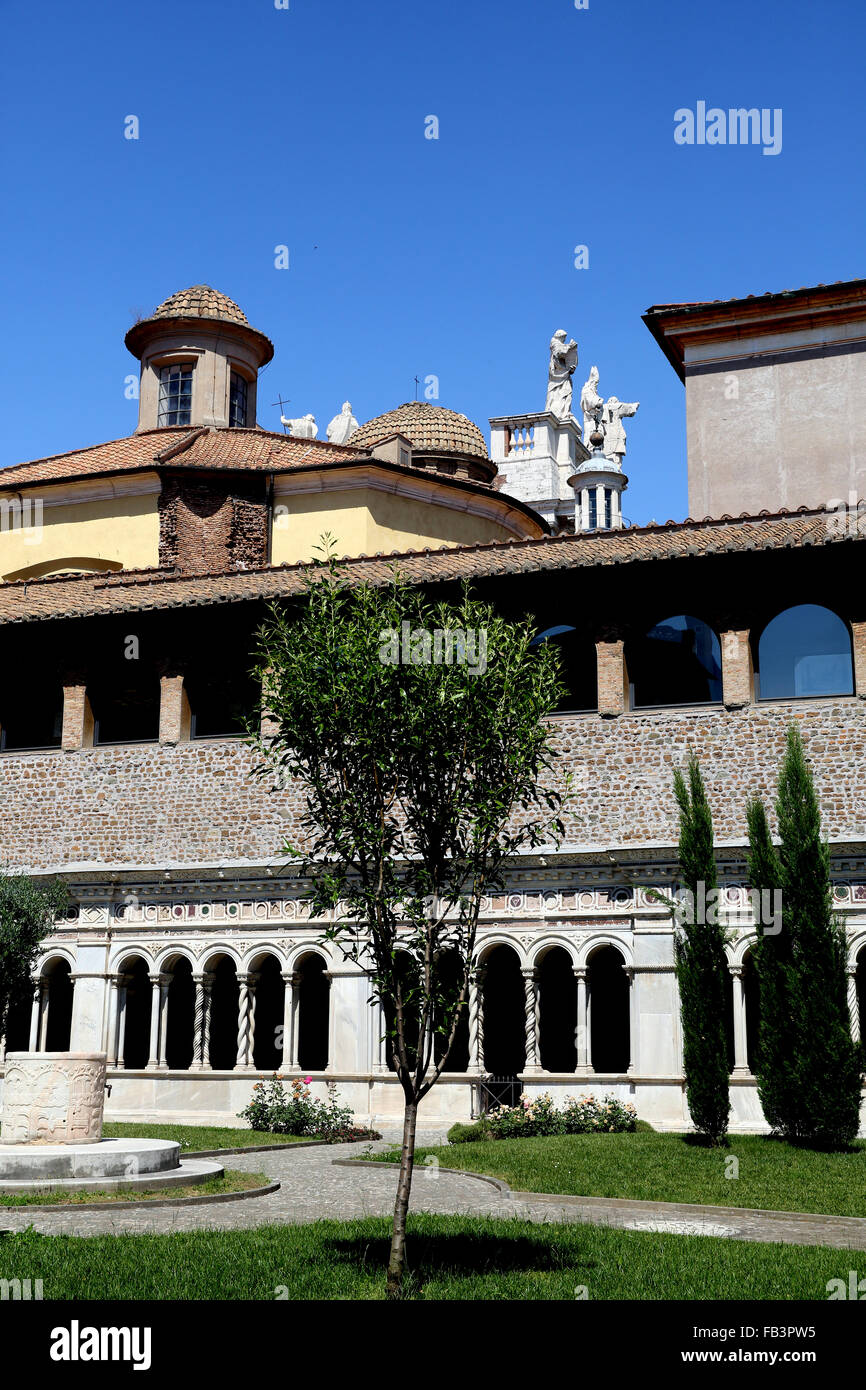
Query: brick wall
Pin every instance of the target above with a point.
(196, 802)
(211, 522)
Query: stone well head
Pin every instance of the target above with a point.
(53, 1098)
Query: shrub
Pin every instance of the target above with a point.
(273, 1111)
(538, 1116)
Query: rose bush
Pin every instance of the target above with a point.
(275, 1111)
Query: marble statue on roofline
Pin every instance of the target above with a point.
(591, 404)
(343, 426)
(303, 428)
(612, 413)
(563, 360)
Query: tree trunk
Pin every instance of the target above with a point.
(397, 1261)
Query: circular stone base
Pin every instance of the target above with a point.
(106, 1165)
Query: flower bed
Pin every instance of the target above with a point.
(274, 1111)
(538, 1115)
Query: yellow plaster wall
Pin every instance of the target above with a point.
(122, 531)
(366, 520)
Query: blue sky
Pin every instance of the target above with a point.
(454, 257)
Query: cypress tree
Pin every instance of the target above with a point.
(701, 965)
(773, 1066)
(825, 1072)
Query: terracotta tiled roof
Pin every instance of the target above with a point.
(135, 591)
(431, 429)
(203, 448)
(693, 304)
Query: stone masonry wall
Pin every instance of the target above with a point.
(196, 802)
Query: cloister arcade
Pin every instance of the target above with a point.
(554, 1009)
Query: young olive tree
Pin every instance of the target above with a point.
(27, 913)
(415, 733)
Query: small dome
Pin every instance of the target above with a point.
(431, 429)
(199, 302)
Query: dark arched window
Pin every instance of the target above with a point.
(805, 651)
(676, 662)
(578, 668)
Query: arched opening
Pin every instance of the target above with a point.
(676, 662)
(180, 1016)
(58, 1026)
(608, 1008)
(578, 666)
(406, 968)
(269, 996)
(805, 651)
(558, 996)
(224, 1015)
(314, 997)
(451, 975)
(137, 1014)
(504, 1013)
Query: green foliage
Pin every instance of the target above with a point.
(468, 1134)
(538, 1115)
(809, 1068)
(301, 1113)
(701, 965)
(422, 780)
(27, 913)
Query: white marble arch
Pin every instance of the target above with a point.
(550, 943)
(737, 951)
(125, 955)
(211, 957)
(256, 954)
(605, 938)
(856, 944)
(54, 954)
(485, 947)
(308, 948)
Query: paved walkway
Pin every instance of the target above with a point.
(313, 1186)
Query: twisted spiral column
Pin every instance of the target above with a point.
(243, 1020)
(208, 1010)
(198, 1025)
(532, 1017)
(854, 1004)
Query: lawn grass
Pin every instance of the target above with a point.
(450, 1257)
(194, 1137)
(233, 1180)
(772, 1175)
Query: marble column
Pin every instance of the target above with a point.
(251, 1044)
(581, 1033)
(153, 1057)
(243, 1021)
(206, 1025)
(741, 1059)
(36, 1013)
(296, 1012)
(198, 1024)
(111, 1039)
(164, 983)
(476, 1060)
(531, 1020)
(122, 982)
(288, 1019)
(632, 1021)
(854, 1004)
(332, 1023)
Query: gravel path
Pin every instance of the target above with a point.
(313, 1187)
